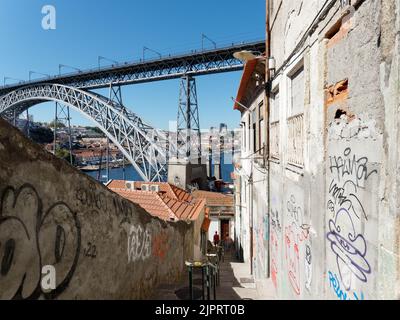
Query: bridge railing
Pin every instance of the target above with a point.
(177, 55)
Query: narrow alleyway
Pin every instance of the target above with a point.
(236, 283)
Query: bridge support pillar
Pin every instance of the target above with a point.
(188, 169)
(188, 124)
(62, 116)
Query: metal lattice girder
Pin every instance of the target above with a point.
(140, 143)
(188, 128)
(194, 63)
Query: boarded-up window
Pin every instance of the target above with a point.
(297, 92)
(295, 121)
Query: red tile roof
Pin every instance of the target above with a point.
(170, 203)
(214, 199)
(168, 189)
(249, 68)
(149, 201)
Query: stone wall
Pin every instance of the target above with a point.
(101, 245)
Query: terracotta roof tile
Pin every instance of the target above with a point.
(169, 203)
(214, 198)
(150, 201)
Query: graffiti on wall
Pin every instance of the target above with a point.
(160, 245)
(90, 251)
(139, 243)
(25, 229)
(295, 236)
(308, 266)
(97, 201)
(275, 221)
(334, 284)
(89, 197)
(275, 234)
(346, 240)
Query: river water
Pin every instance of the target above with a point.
(131, 174)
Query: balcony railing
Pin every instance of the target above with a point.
(274, 140)
(295, 152)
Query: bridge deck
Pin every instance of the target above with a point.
(194, 63)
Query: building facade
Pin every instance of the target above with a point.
(251, 177)
(331, 162)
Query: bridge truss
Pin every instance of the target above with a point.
(139, 142)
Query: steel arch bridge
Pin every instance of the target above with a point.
(140, 143)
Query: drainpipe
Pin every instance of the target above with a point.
(267, 117)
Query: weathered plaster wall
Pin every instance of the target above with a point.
(252, 211)
(260, 223)
(335, 222)
(101, 245)
(356, 156)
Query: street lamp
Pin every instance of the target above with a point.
(246, 55)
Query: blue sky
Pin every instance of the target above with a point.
(118, 30)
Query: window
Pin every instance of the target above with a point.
(297, 92)
(254, 130)
(295, 120)
(274, 126)
(254, 138)
(249, 136)
(274, 112)
(244, 135)
(261, 127)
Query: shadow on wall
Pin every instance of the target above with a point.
(239, 250)
(65, 236)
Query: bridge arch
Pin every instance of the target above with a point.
(139, 142)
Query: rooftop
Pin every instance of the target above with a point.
(214, 199)
(167, 189)
(168, 203)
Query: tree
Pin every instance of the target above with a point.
(96, 130)
(64, 154)
(59, 124)
(41, 135)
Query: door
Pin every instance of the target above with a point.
(224, 229)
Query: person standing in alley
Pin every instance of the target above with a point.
(216, 238)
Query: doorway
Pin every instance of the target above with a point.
(225, 229)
